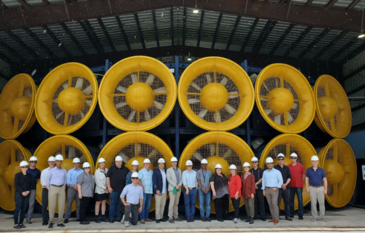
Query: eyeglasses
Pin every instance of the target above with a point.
(188, 166)
(280, 159)
(134, 178)
(86, 167)
(23, 167)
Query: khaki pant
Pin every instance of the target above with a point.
(173, 206)
(317, 194)
(160, 205)
(250, 207)
(56, 195)
(272, 200)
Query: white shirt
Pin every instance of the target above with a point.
(44, 175)
(100, 181)
(163, 173)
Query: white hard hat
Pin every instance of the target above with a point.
(218, 166)
(269, 160)
(189, 163)
(161, 160)
(135, 174)
(204, 161)
(59, 157)
(24, 163)
(86, 164)
(135, 162)
(294, 155)
(254, 159)
(118, 158)
(76, 160)
(173, 159)
(246, 164)
(101, 160)
(146, 161)
(33, 158)
(51, 159)
(233, 167)
(314, 158)
(281, 155)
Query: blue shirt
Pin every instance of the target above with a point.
(134, 193)
(315, 176)
(72, 175)
(36, 175)
(189, 178)
(272, 179)
(128, 179)
(146, 179)
(56, 177)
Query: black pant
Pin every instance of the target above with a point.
(221, 207)
(84, 203)
(21, 204)
(134, 210)
(286, 195)
(45, 215)
(259, 203)
(236, 205)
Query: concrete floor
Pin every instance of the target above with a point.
(347, 219)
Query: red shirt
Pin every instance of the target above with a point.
(234, 185)
(297, 173)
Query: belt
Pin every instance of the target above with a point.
(133, 204)
(271, 187)
(315, 186)
(57, 185)
(191, 188)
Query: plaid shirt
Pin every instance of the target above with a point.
(146, 179)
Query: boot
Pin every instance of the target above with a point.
(97, 219)
(251, 221)
(248, 219)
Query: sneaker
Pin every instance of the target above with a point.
(126, 223)
(122, 221)
(323, 220)
(235, 220)
(65, 221)
(22, 225)
(148, 220)
(208, 219)
(142, 221)
(17, 226)
(60, 225)
(50, 225)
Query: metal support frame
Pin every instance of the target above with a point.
(177, 112)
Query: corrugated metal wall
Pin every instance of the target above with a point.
(5, 69)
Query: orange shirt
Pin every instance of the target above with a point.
(234, 185)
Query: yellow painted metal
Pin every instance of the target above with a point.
(214, 96)
(281, 99)
(58, 145)
(12, 153)
(17, 106)
(139, 96)
(287, 144)
(71, 100)
(333, 110)
(239, 147)
(339, 163)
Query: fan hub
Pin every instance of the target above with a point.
(20, 107)
(328, 107)
(214, 96)
(71, 100)
(140, 96)
(334, 171)
(214, 160)
(67, 164)
(10, 172)
(280, 100)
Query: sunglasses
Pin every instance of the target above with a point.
(86, 167)
(255, 162)
(134, 178)
(23, 167)
(33, 161)
(280, 159)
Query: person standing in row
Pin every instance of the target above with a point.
(145, 180)
(259, 201)
(36, 175)
(22, 184)
(85, 188)
(297, 172)
(135, 164)
(44, 174)
(272, 180)
(219, 186)
(316, 185)
(72, 194)
(284, 191)
(190, 189)
(175, 181)
(101, 191)
(203, 176)
(132, 198)
(115, 180)
(160, 184)
(248, 192)
(234, 185)
(56, 181)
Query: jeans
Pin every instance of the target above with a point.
(285, 194)
(204, 197)
(236, 205)
(84, 203)
(115, 208)
(146, 206)
(189, 201)
(21, 204)
(221, 207)
(299, 192)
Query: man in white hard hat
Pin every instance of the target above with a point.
(316, 186)
(190, 189)
(284, 191)
(44, 174)
(175, 181)
(36, 175)
(259, 201)
(116, 179)
(56, 182)
(272, 180)
(72, 194)
(132, 198)
(145, 180)
(297, 172)
(160, 184)
(203, 176)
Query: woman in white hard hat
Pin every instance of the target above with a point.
(101, 191)
(85, 188)
(135, 164)
(248, 192)
(234, 185)
(22, 184)
(219, 185)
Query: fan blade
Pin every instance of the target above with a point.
(82, 114)
(83, 159)
(65, 85)
(134, 78)
(224, 81)
(69, 120)
(130, 117)
(263, 84)
(27, 93)
(290, 118)
(263, 99)
(121, 104)
(196, 86)
(124, 157)
(212, 149)
(198, 156)
(202, 113)
(71, 152)
(160, 90)
(88, 90)
(277, 119)
(59, 115)
(295, 106)
(88, 102)
(158, 105)
(193, 101)
(267, 111)
(218, 116)
(276, 83)
(122, 89)
(209, 79)
(150, 79)
(147, 115)
(228, 153)
(230, 109)
(139, 148)
(152, 154)
(234, 93)
(79, 83)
